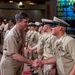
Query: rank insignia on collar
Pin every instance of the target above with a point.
(60, 48)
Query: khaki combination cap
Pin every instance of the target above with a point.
(47, 21)
(31, 24)
(38, 23)
(57, 21)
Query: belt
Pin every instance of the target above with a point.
(5, 53)
(5, 49)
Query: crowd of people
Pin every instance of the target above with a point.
(44, 46)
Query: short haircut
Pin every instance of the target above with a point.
(10, 24)
(20, 16)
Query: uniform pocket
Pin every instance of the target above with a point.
(2, 64)
(6, 63)
(62, 53)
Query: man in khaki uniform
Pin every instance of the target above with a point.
(34, 37)
(40, 45)
(64, 49)
(29, 33)
(27, 38)
(13, 59)
(33, 40)
(48, 45)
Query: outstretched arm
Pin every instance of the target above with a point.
(20, 58)
(48, 61)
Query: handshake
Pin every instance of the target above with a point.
(41, 63)
(37, 63)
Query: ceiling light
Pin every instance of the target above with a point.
(31, 3)
(20, 3)
(10, 1)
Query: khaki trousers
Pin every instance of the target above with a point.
(7, 68)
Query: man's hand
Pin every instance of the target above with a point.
(36, 63)
(26, 51)
(20, 58)
(29, 47)
(73, 70)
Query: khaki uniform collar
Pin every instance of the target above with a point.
(18, 31)
(61, 39)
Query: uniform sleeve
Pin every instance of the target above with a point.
(71, 49)
(26, 40)
(53, 42)
(37, 37)
(40, 45)
(12, 46)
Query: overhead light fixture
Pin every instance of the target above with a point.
(20, 3)
(10, 1)
(30, 3)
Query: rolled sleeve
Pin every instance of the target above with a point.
(12, 46)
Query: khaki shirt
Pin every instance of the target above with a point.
(42, 39)
(65, 54)
(48, 46)
(13, 43)
(28, 36)
(33, 40)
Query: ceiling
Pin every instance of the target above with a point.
(26, 1)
